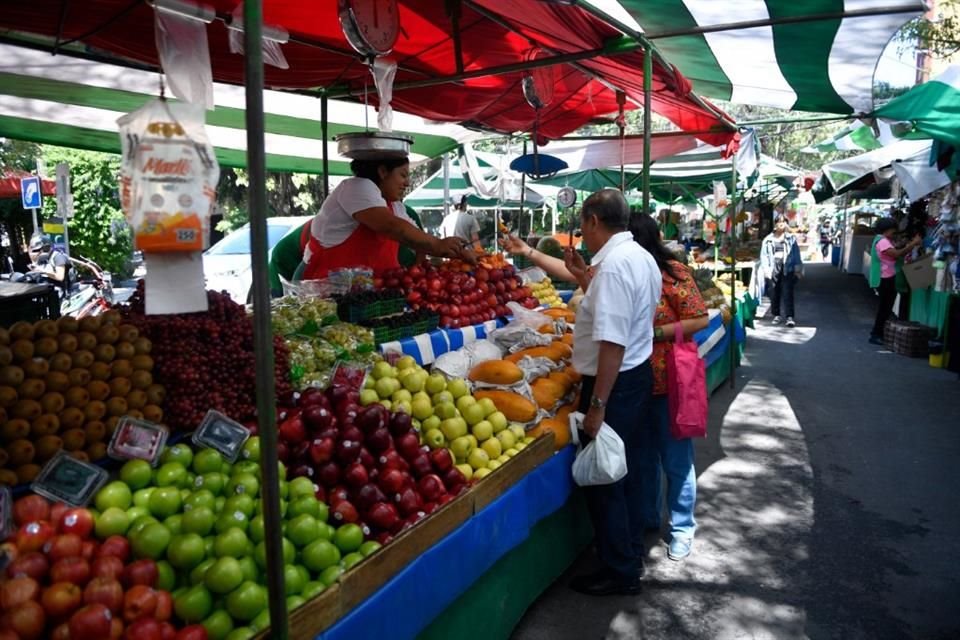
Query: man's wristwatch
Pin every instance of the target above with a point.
(597, 403)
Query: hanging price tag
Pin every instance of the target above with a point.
(66, 479)
(219, 432)
(6, 512)
(137, 440)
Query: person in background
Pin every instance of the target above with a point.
(613, 343)
(825, 239)
(781, 265)
(669, 230)
(680, 301)
(51, 262)
(460, 223)
(883, 272)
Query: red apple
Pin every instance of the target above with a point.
(367, 496)
(142, 572)
(348, 451)
(15, 592)
(31, 508)
(372, 417)
(431, 487)
(453, 479)
(107, 567)
(89, 550)
(322, 449)
(33, 535)
(444, 499)
(67, 545)
(312, 396)
(379, 440)
(164, 606)
(93, 622)
(400, 423)
(328, 473)
(167, 631)
(356, 475)
(292, 430)
(391, 482)
(61, 599)
(78, 521)
(27, 620)
(351, 432)
(391, 459)
(60, 632)
(116, 546)
(32, 564)
(383, 515)
(408, 445)
(143, 629)
(441, 459)
(139, 602)
(104, 591)
(345, 512)
(366, 459)
(409, 502)
(75, 570)
(420, 465)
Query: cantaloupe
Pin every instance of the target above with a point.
(500, 372)
(514, 406)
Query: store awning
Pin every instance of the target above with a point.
(803, 55)
(429, 195)
(930, 110)
(75, 103)
(492, 34)
(10, 183)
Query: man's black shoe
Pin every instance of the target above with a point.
(605, 583)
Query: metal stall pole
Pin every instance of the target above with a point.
(523, 193)
(647, 120)
(324, 126)
(733, 275)
(262, 331)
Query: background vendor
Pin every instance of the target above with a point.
(363, 223)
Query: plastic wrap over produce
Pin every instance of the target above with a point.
(457, 364)
(168, 176)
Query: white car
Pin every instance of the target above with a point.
(227, 265)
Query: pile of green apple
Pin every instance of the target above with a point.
(200, 519)
(479, 436)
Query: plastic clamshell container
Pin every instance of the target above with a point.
(219, 432)
(6, 512)
(66, 479)
(137, 440)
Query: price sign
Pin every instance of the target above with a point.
(6, 512)
(66, 479)
(137, 440)
(219, 432)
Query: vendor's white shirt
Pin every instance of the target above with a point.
(335, 222)
(619, 305)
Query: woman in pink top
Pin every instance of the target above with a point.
(888, 254)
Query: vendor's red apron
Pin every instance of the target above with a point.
(364, 247)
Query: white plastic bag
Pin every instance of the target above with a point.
(185, 57)
(603, 460)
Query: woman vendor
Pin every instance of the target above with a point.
(363, 223)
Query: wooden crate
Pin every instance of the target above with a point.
(313, 617)
(498, 482)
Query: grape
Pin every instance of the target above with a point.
(292, 314)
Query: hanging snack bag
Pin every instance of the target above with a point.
(168, 177)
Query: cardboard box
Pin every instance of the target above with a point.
(920, 273)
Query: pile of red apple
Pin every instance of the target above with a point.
(60, 583)
(461, 298)
(206, 361)
(368, 464)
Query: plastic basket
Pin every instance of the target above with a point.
(386, 334)
(354, 313)
(43, 303)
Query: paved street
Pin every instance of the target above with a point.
(828, 497)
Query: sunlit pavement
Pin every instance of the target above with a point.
(828, 498)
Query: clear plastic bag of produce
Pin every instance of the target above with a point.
(321, 288)
(349, 337)
(302, 314)
(352, 279)
(533, 274)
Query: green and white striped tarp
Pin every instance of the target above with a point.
(931, 110)
(857, 136)
(429, 195)
(817, 60)
(75, 103)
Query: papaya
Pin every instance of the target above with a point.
(567, 339)
(514, 406)
(533, 352)
(500, 372)
(563, 351)
(565, 314)
(561, 378)
(547, 392)
(561, 431)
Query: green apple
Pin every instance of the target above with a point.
(498, 420)
(241, 633)
(421, 408)
(326, 531)
(434, 438)
(242, 502)
(199, 572)
(348, 537)
(492, 447)
(402, 407)
(151, 541)
(213, 482)
(262, 621)
(114, 494)
(435, 384)
(518, 431)
(113, 521)
(142, 496)
(520, 446)
(224, 575)
(368, 396)
(466, 470)
(243, 482)
(401, 395)
(386, 404)
(478, 459)
(473, 414)
(488, 406)
(135, 512)
(246, 601)
(232, 543)
(293, 580)
(465, 401)
(295, 602)
(174, 523)
(208, 461)
(308, 505)
(329, 575)
(256, 530)
(453, 428)
(218, 624)
(458, 387)
(503, 459)
(303, 529)
(164, 502)
(137, 525)
(529, 440)
(319, 555)
(300, 487)
(193, 604)
(414, 381)
(246, 466)
(136, 474)
(442, 398)
(510, 452)
(350, 560)
(507, 439)
(382, 370)
(406, 362)
(171, 474)
(166, 576)
(250, 569)
(480, 474)
(312, 589)
(384, 388)
(251, 449)
(473, 440)
(185, 551)
(433, 422)
(199, 498)
(181, 453)
(493, 465)
(461, 448)
(260, 553)
(482, 430)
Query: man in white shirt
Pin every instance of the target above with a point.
(613, 342)
(460, 223)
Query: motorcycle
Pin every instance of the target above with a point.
(91, 296)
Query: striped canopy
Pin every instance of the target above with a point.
(819, 55)
(75, 103)
(429, 195)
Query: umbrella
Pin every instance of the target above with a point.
(10, 183)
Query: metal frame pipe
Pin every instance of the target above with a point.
(647, 121)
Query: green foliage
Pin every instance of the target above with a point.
(98, 229)
(939, 35)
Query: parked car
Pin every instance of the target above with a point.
(227, 265)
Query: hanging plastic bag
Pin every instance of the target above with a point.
(168, 176)
(185, 56)
(273, 37)
(384, 72)
(603, 460)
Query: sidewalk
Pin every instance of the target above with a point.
(828, 498)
